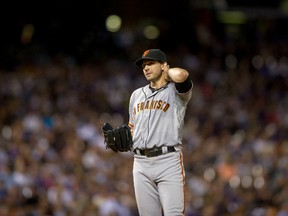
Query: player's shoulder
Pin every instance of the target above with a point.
(140, 89)
(136, 93)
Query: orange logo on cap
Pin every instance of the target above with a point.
(145, 53)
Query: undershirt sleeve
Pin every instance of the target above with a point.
(184, 86)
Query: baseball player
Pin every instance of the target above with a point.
(156, 119)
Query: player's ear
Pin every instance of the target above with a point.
(163, 65)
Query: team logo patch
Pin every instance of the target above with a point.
(145, 53)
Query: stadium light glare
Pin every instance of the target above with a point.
(232, 17)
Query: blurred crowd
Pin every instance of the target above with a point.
(52, 155)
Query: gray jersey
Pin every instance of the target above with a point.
(157, 118)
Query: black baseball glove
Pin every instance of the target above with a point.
(117, 139)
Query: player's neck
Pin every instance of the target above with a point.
(154, 86)
(158, 83)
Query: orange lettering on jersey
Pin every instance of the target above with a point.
(163, 104)
(147, 105)
(159, 104)
(134, 111)
(142, 106)
(155, 105)
(166, 107)
(151, 105)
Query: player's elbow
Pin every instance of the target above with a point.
(179, 75)
(183, 76)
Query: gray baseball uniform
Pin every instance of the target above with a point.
(156, 118)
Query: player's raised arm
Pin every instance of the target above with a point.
(176, 74)
(181, 78)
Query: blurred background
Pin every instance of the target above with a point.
(66, 68)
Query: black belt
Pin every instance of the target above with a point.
(153, 152)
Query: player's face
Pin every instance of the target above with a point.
(152, 70)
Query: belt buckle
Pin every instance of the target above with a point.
(153, 152)
(147, 152)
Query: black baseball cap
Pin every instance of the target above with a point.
(152, 54)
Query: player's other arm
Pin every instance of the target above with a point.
(181, 78)
(176, 74)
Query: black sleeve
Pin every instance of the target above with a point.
(184, 86)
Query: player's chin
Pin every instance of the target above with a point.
(149, 78)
